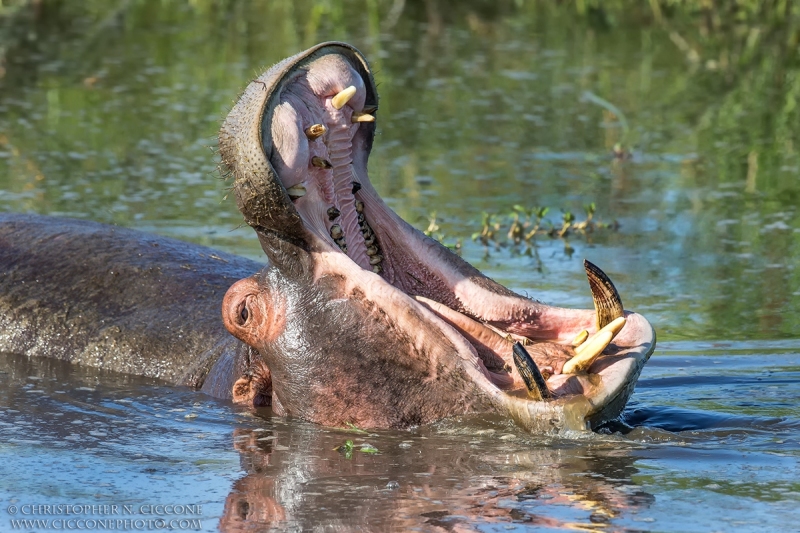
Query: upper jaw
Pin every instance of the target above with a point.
(287, 180)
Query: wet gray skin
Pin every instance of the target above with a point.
(362, 319)
(119, 299)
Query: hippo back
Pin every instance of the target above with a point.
(117, 298)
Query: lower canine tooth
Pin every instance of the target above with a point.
(534, 381)
(296, 192)
(343, 97)
(607, 302)
(315, 131)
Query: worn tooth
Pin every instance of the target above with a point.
(375, 259)
(362, 117)
(534, 381)
(359, 206)
(315, 131)
(369, 241)
(586, 353)
(580, 338)
(372, 250)
(320, 163)
(343, 97)
(361, 218)
(377, 269)
(607, 302)
(333, 213)
(369, 109)
(296, 192)
(336, 231)
(356, 187)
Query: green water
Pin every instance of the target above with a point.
(109, 111)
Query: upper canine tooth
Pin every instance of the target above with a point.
(315, 131)
(343, 97)
(320, 163)
(586, 353)
(362, 117)
(296, 192)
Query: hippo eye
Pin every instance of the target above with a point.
(244, 314)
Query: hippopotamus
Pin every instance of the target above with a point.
(356, 319)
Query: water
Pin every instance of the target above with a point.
(108, 111)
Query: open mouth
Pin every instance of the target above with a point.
(297, 144)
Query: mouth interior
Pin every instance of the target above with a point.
(317, 134)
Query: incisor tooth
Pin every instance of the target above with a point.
(315, 131)
(320, 163)
(343, 97)
(362, 117)
(296, 192)
(580, 338)
(586, 353)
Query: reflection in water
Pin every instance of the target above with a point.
(430, 478)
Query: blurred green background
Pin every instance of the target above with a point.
(109, 111)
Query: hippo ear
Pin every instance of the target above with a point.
(251, 314)
(246, 150)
